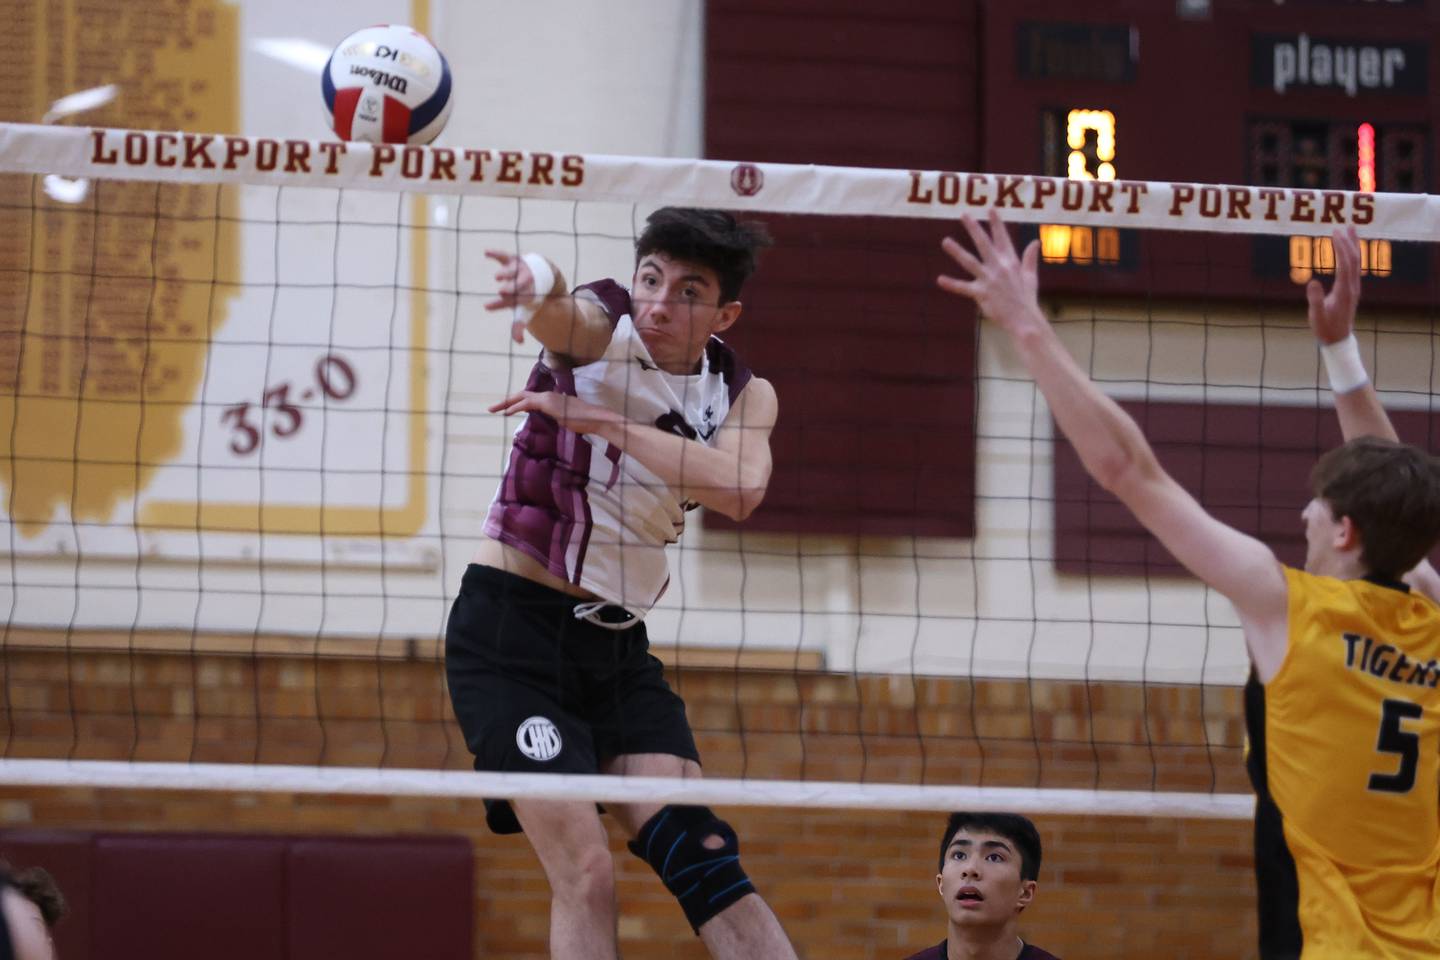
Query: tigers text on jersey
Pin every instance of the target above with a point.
(592, 514)
(1345, 759)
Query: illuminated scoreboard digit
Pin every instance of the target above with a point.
(1090, 135)
(1336, 155)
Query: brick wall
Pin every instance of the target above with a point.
(847, 884)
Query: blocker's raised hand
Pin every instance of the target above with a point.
(1332, 315)
(1003, 284)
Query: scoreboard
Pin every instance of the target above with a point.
(1323, 94)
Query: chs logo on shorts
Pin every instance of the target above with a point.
(538, 739)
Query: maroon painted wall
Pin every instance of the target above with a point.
(873, 366)
(1249, 466)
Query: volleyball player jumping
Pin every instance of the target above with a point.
(636, 413)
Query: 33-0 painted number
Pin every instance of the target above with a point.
(334, 377)
(1395, 739)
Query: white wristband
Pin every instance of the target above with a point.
(1343, 365)
(544, 275)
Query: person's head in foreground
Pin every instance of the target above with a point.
(1375, 512)
(690, 265)
(30, 906)
(990, 864)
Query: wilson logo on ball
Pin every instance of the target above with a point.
(386, 84)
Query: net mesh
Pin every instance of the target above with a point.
(247, 453)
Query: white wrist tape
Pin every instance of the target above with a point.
(544, 275)
(1343, 365)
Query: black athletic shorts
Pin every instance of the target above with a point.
(537, 690)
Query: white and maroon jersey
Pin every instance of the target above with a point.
(590, 513)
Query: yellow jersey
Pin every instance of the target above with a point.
(1345, 759)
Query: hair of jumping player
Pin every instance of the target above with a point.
(1391, 493)
(711, 238)
(1019, 830)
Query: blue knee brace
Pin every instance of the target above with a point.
(705, 881)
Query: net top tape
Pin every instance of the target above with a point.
(759, 187)
(591, 788)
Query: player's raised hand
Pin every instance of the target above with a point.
(514, 285)
(1003, 284)
(1332, 315)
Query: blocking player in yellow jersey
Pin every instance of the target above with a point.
(1344, 699)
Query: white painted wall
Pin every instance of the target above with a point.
(619, 77)
(574, 75)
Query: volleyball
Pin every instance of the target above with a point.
(386, 84)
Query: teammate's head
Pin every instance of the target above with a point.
(706, 238)
(30, 905)
(989, 863)
(689, 267)
(39, 887)
(1389, 493)
(1019, 831)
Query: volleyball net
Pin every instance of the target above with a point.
(246, 454)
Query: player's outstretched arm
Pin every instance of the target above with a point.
(575, 328)
(1332, 320)
(731, 477)
(1113, 449)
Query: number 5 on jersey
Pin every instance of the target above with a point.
(1395, 739)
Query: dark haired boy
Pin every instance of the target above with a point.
(635, 413)
(1342, 706)
(30, 906)
(989, 865)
